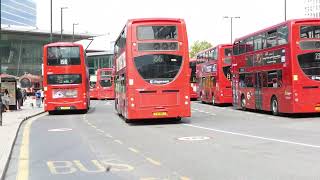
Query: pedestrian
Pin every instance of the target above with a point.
(6, 99)
(24, 94)
(19, 98)
(38, 98)
(42, 95)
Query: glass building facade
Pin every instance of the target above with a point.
(19, 12)
(21, 51)
(99, 60)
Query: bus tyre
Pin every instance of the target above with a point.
(213, 100)
(274, 106)
(243, 102)
(51, 112)
(127, 120)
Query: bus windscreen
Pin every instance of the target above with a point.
(64, 79)
(157, 32)
(63, 56)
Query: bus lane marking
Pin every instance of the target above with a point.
(254, 137)
(93, 167)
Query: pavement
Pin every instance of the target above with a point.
(215, 143)
(10, 126)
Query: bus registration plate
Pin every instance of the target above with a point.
(160, 113)
(65, 108)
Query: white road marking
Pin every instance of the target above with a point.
(201, 111)
(108, 135)
(213, 114)
(100, 130)
(255, 137)
(60, 130)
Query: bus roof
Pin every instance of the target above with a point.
(217, 46)
(292, 21)
(62, 44)
(145, 20)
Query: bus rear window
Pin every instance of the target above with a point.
(157, 32)
(106, 74)
(310, 32)
(64, 79)
(63, 56)
(106, 83)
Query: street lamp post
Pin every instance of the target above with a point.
(62, 8)
(74, 24)
(51, 21)
(285, 10)
(231, 23)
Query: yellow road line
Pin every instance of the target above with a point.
(152, 161)
(133, 150)
(23, 164)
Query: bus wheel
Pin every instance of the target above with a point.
(127, 120)
(274, 106)
(243, 103)
(51, 112)
(213, 100)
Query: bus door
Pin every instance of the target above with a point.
(258, 91)
(235, 90)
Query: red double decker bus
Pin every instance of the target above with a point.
(215, 75)
(65, 77)
(152, 70)
(193, 80)
(103, 88)
(278, 69)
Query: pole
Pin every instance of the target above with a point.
(51, 21)
(74, 24)
(62, 8)
(72, 32)
(231, 29)
(231, 25)
(285, 10)
(61, 23)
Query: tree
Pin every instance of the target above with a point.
(199, 46)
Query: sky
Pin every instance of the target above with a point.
(204, 18)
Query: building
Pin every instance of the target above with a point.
(97, 60)
(18, 12)
(312, 8)
(21, 50)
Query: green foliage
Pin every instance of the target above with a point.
(199, 46)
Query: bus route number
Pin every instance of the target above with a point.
(64, 61)
(317, 56)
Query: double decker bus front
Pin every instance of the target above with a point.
(306, 66)
(105, 82)
(193, 80)
(65, 78)
(158, 84)
(224, 89)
